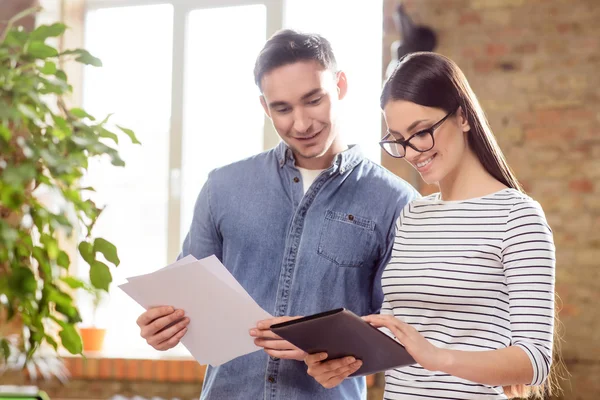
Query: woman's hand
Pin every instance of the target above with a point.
(426, 354)
(330, 373)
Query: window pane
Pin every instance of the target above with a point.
(223, 119)
(354, 30)
(134, 44)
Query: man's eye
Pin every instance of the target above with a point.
(282, 110)
(422, 133)
(315, 101)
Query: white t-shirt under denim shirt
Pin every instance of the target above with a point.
(471, 275)
(308, 177)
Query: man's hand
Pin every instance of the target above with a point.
(274, 345)
(163, 327)
(330, 373)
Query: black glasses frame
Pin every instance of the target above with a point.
(406, 142)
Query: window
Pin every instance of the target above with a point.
(223, 121)
(180, 75)
(134, 84)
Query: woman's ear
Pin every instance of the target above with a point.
(463, 122)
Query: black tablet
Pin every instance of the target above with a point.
(342, 333)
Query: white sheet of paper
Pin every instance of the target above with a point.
(221, 312)
(185, 260)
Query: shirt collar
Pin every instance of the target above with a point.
(344, 161)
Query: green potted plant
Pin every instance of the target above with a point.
(45, 147)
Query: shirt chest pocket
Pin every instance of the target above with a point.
(347, 240)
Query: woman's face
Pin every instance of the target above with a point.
(410, 121)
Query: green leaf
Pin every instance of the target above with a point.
(5, 133)
(29, 113)
(71, 339)
(73, 283)
(51, 246)
(84, 57)
(16, 38)
(58, 297)
(42, 258)
(105, 120)
(18, 175)
(49, 68)
(100, 275)
(116, 160)
(70, 312)
(52, 342)
(61, 123)
(63, 260)
(80, 113)
(23, 282)
(87, 252)
(108, 250)
(109, 135)
(60, 74)
(41, 50)
(5, 348)
(50, 158)
(129, 133)
(43, 32)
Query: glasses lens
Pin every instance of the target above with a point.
(423, 141)
(394, 149)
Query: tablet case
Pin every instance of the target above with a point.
(342, 333)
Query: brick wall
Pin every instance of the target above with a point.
(535, 66)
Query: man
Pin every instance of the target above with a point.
(305, 227)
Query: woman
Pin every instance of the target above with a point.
(469, 289)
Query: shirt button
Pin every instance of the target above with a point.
(271, 379)
(296, 180)
(351, 217)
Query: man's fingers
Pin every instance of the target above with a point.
(168, 333)
(267, 323)
(341, 374)
(314, 358)
(327, 369)
(287, 354)
(173, 341)
(263, 333)
(275, 344)
(161, 323)
(153, 313)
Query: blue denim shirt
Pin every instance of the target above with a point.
(296, 254)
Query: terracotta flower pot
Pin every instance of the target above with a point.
(93, 339)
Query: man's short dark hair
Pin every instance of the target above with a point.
(288, 47)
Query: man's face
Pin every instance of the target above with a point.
(302, 100)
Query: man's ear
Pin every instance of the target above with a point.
(263, 102)
(342, 84)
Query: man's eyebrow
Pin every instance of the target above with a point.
(311, 93)
(304, 97)
(278, 104)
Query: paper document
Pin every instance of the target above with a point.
(220, 310)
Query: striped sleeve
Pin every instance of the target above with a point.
(528, 256)
(386, 307)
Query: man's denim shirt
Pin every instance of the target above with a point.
(296, 254)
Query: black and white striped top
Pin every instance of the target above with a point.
(471, 275)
